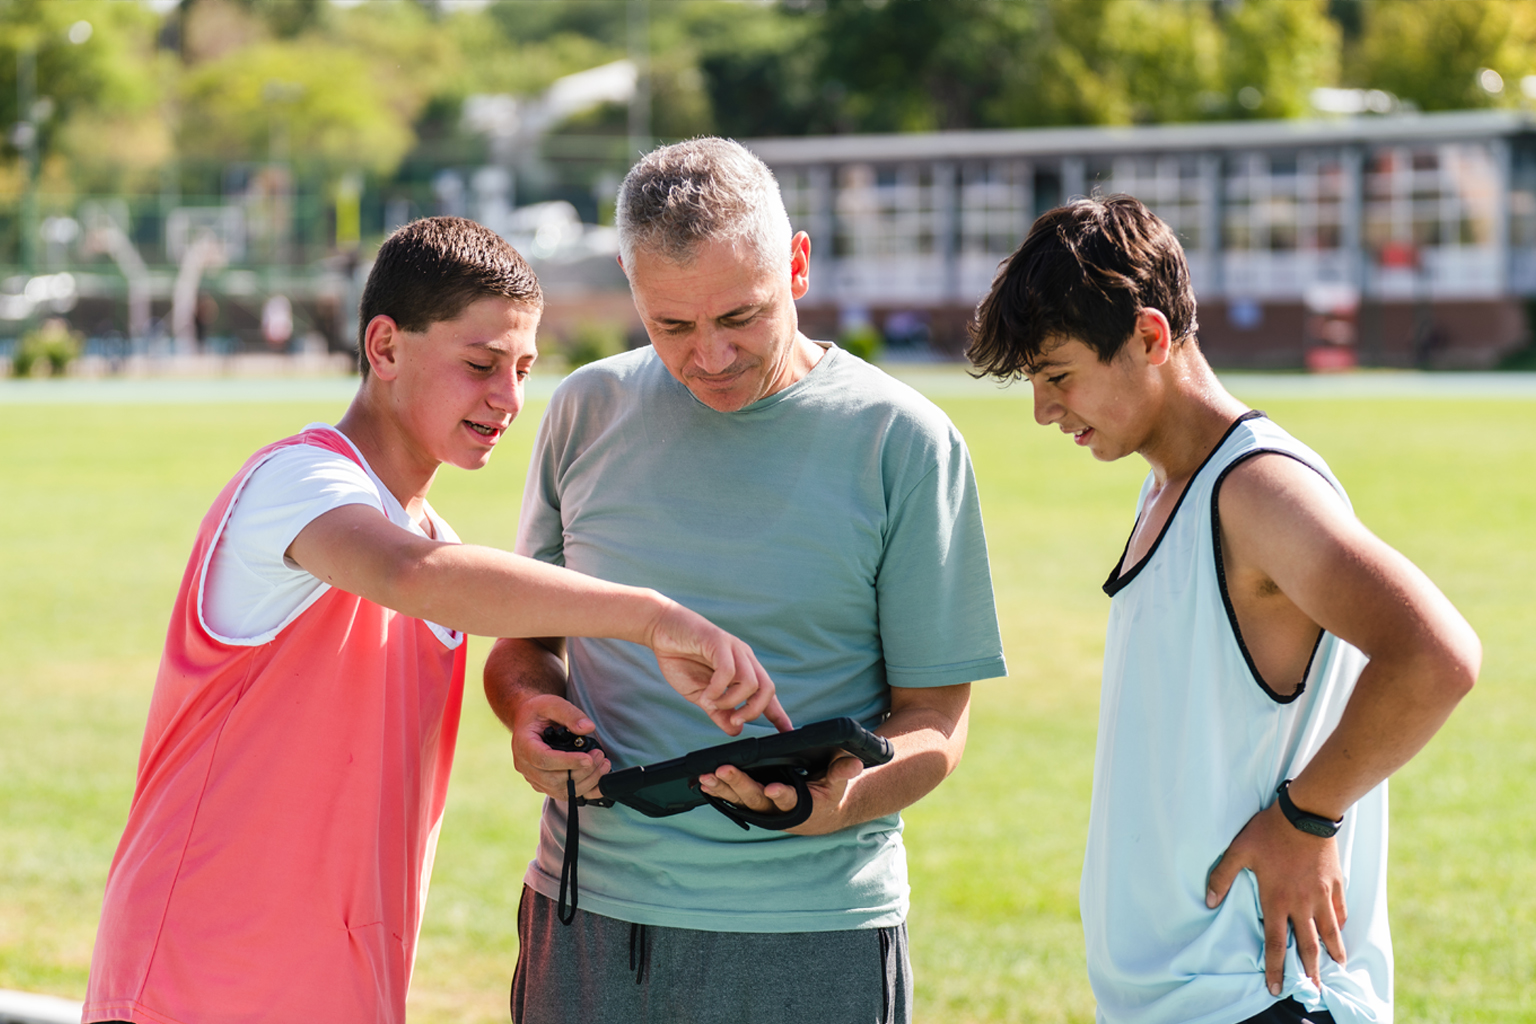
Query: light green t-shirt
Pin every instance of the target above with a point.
(835, 527)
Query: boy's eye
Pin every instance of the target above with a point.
(1055, 379)
(478, 368)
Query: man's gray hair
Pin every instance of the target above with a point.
(681, 196)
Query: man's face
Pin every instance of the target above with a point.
(459, 384)
(1102, 405)
(723, 325)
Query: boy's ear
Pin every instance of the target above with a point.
(381, 347)
(1154, 336)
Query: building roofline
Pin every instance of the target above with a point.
(1448, 126)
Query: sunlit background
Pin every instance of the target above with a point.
(190, 185)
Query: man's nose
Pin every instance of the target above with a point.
(714, 351)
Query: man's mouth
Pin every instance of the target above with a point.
(1082, 435)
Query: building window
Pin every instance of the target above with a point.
(1283, 202)
(996, 206)
(887, 211)
(1429, 197)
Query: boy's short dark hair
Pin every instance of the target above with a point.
(434, 268)
(1084, 272)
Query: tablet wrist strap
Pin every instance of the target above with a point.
(775, 820)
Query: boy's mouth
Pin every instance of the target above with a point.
(1081, 436)
(485, 430)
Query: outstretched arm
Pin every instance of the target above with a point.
(1284, 526)
(493, 593)
(927, 728)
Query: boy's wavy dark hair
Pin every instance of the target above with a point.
(434, 268)
(1084, 272)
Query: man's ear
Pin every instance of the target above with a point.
(799, 265)
(1153, 335)
(381, 347)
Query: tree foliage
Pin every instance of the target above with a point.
(366, 87)
(1431, 52)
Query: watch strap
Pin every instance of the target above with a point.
(1312, 824)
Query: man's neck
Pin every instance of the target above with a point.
(390, 452)
(1196, 412)
(800, 360)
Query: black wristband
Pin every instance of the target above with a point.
(1311, 824)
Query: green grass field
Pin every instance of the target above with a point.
(101, 502)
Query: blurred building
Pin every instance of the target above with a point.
(1401, 240)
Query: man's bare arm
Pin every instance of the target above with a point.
(494, 593)
(1281, 520)
(927, 727)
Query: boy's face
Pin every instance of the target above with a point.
(1102, 405)
(458, 385)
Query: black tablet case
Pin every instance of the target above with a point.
(671, 787)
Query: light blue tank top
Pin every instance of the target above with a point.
(1192, 744)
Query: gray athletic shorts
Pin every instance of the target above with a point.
(599, 970)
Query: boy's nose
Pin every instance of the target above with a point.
(507, 395)
(1047, 410)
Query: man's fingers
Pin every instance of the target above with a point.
(735, 786)
(1222, 877)
(1275, 928)
(784, 797)
(844, 769)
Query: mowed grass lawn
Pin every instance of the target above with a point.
(100, 504)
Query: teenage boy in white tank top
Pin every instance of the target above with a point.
(1269, 662)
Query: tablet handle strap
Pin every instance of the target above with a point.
(777, 821)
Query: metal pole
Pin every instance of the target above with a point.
(26, 96)
(639, 38)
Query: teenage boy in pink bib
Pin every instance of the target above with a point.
(292, 776)
(1268, 661)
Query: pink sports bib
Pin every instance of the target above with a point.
(275, 862)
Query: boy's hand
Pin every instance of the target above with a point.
(546, 769)
(713, 669)
(735, 786)
(1301, 887)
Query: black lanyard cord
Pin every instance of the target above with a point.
(572, 842)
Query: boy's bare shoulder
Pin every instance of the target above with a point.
(1275, 505)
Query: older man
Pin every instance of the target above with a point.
(803, 499)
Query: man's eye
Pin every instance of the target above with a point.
(478, 368)
(1055, 379)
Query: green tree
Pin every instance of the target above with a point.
(904, 65)
(98, 84)
(1431, 51)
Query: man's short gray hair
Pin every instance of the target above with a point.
(681, 196)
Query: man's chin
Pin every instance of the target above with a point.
(721, 397)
